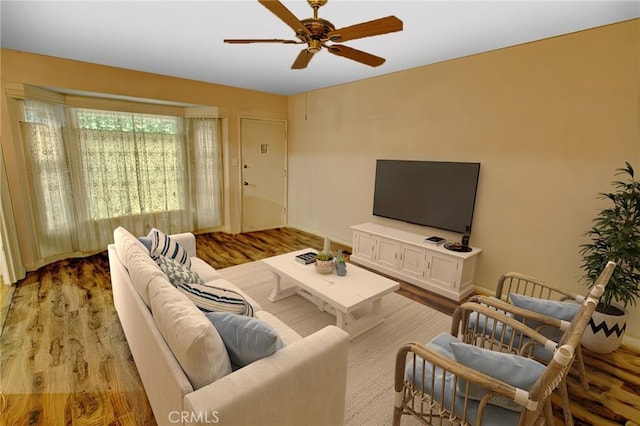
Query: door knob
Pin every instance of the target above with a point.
(245, 183)
(244, 166)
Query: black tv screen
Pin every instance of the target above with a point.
(438, 194)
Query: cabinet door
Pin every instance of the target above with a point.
(387, 253)
(364, 245)
(442, 270)
(412, 261)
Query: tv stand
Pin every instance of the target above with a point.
(405, 256)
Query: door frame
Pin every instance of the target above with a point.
(285, 165)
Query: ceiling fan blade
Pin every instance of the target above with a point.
(380, 26)
(356, 55)
(285, 15)
(258, 40)
(302, 60)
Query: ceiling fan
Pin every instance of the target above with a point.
(316, 32)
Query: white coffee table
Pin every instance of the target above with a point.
(355, 299)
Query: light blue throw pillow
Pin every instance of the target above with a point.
(552, 308)
(146, 241)
(247, 339)
(518, 371)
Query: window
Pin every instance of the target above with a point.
(131, 164)
(94, 170)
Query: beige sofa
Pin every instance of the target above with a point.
(177, 352)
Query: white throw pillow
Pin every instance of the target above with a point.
(163, 245)
(192, 338)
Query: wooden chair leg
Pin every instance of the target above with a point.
(397, 414)
(566, 405)
(581, 370)
(548, 412)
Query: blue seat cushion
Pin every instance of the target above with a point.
(492, 414)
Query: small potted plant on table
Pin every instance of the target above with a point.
(324, 262)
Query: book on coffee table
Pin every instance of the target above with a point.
(306, 258)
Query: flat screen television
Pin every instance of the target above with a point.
(437, 194)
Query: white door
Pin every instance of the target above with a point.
(264, 173)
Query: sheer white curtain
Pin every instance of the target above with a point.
(206, 151)
(94, 170)
(132, 169)
(50, 178)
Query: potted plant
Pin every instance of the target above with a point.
(324, 262)
(615, 235)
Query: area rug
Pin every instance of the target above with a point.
(369, 399)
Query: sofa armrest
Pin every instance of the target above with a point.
(186, 240)
(303, 383)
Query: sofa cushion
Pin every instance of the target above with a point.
(516, 370)
(125, 243)
(216, 299)
(247, 339)
(163, 245)
(177, 272)
(135, 257)
(192, 338)
(204, 270)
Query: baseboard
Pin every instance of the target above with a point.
(320, 234)
(631, 342)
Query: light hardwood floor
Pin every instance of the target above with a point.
(64, 358)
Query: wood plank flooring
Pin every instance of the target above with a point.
(64, 358)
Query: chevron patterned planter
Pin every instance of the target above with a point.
(604, 332)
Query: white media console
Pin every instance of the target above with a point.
(405, 255)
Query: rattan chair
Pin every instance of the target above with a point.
(513, 282)
(434, 385)
(526, 347)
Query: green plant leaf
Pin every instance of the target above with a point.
(615, 235)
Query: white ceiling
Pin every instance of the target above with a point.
(184, 38)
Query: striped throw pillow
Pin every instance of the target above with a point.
(162, 245)
(216, 299)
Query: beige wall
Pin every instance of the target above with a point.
(550, 121)
(38, 70)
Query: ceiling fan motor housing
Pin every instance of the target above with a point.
(318, 27)
(315, 32)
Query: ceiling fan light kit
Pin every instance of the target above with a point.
(316, 32)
